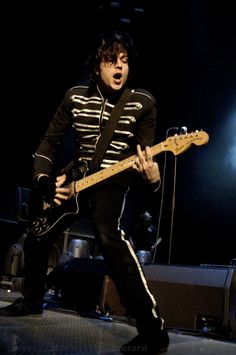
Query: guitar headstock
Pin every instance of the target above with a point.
(179, 143)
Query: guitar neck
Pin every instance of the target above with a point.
(177, 144)
(112, 170)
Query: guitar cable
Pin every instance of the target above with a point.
(182, 129)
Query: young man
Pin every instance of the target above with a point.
(87, 109)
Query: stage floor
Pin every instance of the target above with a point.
(65, 332)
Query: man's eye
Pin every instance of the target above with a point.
(124, 59)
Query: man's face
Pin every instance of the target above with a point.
(114, 74)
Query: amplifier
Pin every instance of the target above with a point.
(190, 297)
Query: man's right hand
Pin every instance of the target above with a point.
(62, 193)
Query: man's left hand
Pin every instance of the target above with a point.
(146, 166)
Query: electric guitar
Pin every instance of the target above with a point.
(51, 215)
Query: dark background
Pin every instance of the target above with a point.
(187, 59)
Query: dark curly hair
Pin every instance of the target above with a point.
(108, 47)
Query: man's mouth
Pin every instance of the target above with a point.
(117, 76)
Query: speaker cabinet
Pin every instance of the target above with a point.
(79, 282)
(190, 297)
(110, 301)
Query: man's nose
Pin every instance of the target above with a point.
(119, 63)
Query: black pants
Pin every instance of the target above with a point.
(104, 205)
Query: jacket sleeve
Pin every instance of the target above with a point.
(146, 128)
(145, 131)
(45, 152)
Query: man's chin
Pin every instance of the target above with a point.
(116, 87)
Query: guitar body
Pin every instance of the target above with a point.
(48, 216)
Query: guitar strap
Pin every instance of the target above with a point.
(108, 131)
